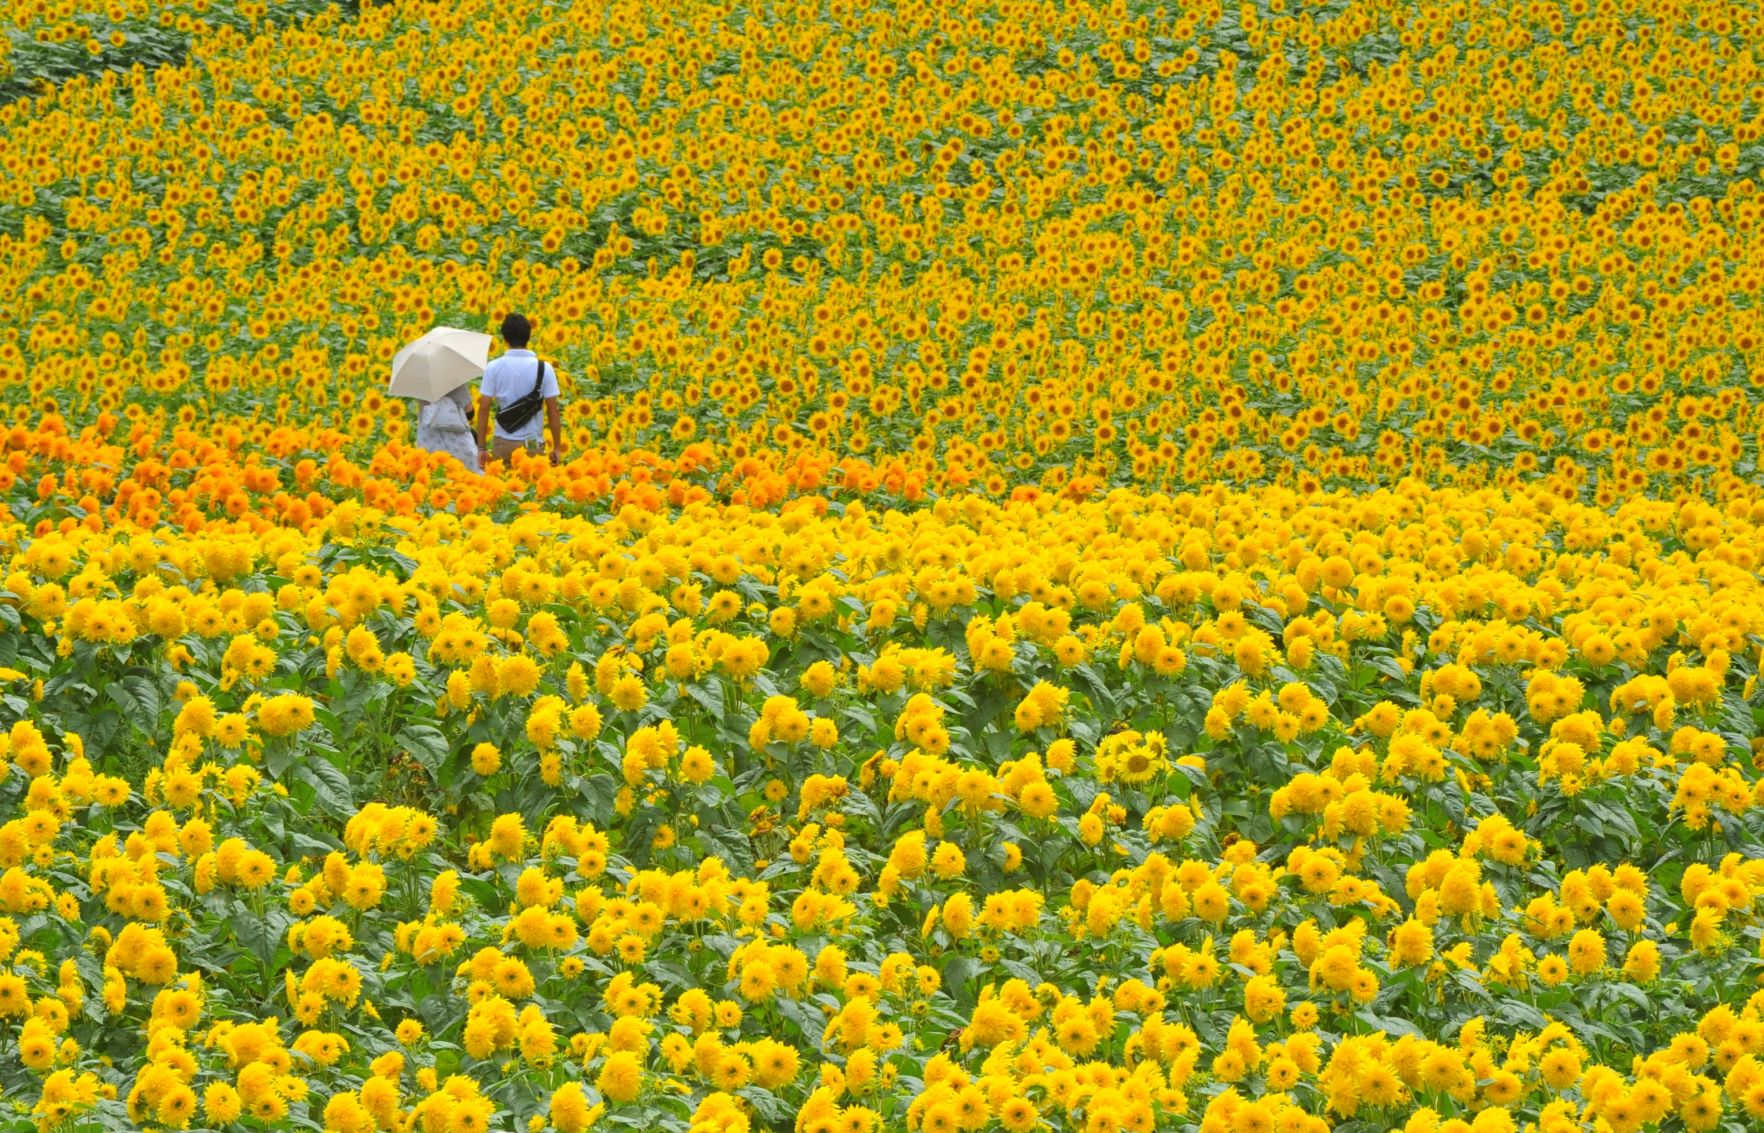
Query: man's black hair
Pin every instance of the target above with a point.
(516, 330)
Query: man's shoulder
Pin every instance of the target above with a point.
(497, 367)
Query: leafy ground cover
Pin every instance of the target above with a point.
(47, 42)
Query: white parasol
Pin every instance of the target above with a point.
(438, 363)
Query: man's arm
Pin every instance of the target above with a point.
(554, 423)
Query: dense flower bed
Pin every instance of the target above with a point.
(1248, 809)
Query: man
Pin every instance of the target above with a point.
(508, 381)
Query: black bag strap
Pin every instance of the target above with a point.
(539, 381)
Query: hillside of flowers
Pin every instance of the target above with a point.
(999, 241)
(1115, 569)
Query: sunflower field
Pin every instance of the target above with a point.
(1116, 568)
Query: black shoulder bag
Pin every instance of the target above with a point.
(513, 417)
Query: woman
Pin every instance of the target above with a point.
(446, 426)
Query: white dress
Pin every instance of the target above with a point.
(445, 426)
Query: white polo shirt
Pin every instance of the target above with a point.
(510, 378)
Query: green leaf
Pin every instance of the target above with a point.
(278, 756)
(427, 746)
(1523, 1013)
(329, 785)
(263, 936)
(1389, 1024)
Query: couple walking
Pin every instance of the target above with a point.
(519, 385)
